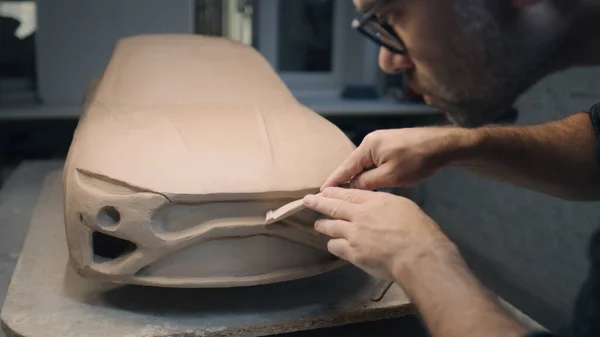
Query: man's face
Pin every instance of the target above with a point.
(470, 58)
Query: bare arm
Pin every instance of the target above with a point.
(557, 158)
(391, 238)
(453, 303)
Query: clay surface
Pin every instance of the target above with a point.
(184, 144)
(47, 298)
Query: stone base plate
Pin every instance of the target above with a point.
(47, 298)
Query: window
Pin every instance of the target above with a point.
(305, 36)
(302, 40)
(17, 52)
(309, 42)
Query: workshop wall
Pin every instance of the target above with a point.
(75, 39)
(527, 247)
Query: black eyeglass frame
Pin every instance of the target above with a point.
(370, 18)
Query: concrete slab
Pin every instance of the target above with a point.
(18, 195)
(47, 298)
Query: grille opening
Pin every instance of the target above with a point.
(106, 247)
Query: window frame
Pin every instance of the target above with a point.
(268, 43)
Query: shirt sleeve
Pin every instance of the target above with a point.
(594, 114)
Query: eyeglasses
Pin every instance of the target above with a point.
(381, 33)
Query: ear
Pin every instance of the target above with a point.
(525, 3)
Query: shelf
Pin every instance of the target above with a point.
(27, 112)
(323, 106)
(350, 107)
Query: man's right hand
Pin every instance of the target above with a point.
(399, 157)
(558, 158)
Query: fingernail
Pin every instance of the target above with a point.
(308, 199)
(317, 224)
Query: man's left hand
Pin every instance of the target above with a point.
(383, 234)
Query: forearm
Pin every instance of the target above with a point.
(557, 158)
(453, 303)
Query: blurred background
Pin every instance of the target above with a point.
(51, 50)
(529, 248)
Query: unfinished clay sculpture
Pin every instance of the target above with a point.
(183, 146)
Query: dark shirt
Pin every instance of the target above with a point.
(586, 315)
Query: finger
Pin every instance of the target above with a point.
(339, 248)
(379, 177)
(350, 195)
(358, 161)
(333, 228)
(335, 208)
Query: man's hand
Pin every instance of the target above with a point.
(398, 157)
(383, 234)
(557, 158)
(392, 239)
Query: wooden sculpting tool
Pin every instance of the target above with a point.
(288, 209)
(284, 211)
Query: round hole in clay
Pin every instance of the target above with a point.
(108, 217)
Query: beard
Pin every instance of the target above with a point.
(465, 112)
(495, 60)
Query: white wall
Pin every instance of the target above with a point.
(75, 38)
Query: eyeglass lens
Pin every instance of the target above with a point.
(382, 33)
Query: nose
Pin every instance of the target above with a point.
(393, 63)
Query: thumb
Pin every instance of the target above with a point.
(378, 177)
(356, 163)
